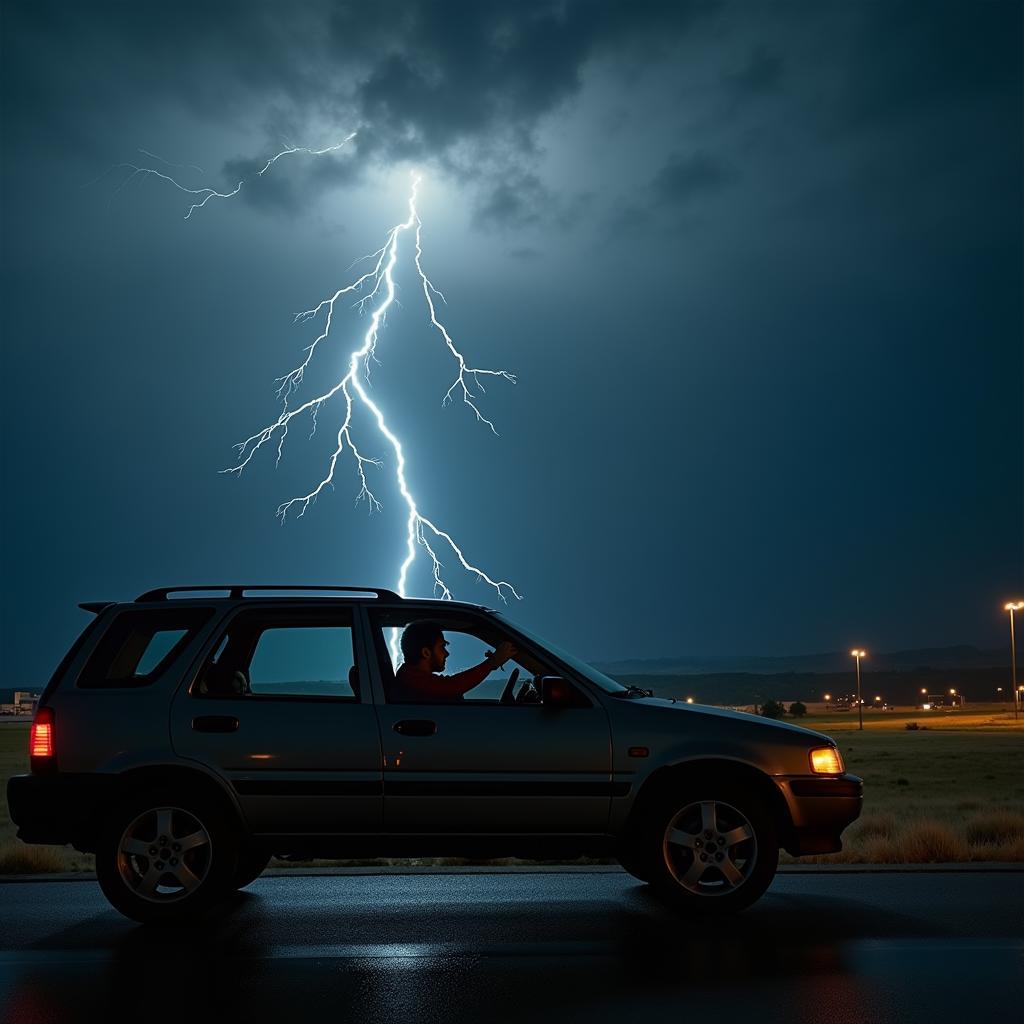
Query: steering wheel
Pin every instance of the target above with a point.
(529, 693)
(507, 694)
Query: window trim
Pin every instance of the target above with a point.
(281, 616)
(379, 650)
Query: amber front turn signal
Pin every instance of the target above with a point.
(826, 761)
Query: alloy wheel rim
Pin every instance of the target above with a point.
(164, 854)
(710, 848)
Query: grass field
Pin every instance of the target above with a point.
(950, 790)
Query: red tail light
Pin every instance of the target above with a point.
(40, 738)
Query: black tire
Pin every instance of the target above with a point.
(710, 848)
(633, 861)
(166, 856)
(252, 862)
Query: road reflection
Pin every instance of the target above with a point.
(789, 958)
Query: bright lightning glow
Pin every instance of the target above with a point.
(379, 286)
(375, 288)
(207, 194)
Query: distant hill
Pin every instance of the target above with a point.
(898, 676)
(976, 685)
(929, 658)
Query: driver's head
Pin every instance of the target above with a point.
(423, 641)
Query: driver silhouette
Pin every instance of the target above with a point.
(425, 651)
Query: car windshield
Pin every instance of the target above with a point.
(606, 683)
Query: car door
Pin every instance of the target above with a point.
(281, 709)
(478, 766)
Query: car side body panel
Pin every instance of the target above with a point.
(342, 774)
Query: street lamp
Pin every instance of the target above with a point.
(1011, 607)
(858, 654)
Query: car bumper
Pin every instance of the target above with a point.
(820, 807)
(58, 809)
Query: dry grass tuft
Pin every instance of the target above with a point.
(21, 859)
(1011, 852)
(920, 842)
(995, 828)
(874, 826)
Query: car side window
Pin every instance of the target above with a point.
(263, 657)
(139, 645)
(469, 639)
(309, 660)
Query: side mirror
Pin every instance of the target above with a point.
(556, 692)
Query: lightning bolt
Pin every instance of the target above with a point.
(204, 195)
(376, 289)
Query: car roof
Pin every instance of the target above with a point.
(238, 594)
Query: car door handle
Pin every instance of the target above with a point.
(415, 727)
(215, 723)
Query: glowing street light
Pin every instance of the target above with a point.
(1011, 607)
(858, 654)
(689, 700)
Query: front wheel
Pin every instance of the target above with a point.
(166, 856)
(712, 849)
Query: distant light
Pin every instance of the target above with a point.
(926, 707)
(858, 653)
(1013, 606)
(828, 696)
(878, 698)
(689, 700)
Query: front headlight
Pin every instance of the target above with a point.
(826, 761)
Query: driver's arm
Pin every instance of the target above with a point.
(463, 682)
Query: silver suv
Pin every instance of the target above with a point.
(191, 734)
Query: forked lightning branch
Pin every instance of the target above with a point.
(373, 291)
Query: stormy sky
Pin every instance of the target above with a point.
(756, 267)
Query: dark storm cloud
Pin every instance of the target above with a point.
(674, 189)
(684, 178)
(466, 69)
(760, 75)
(464, 82)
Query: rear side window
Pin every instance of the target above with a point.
(283, 654)
(311, 660)
(140, 645)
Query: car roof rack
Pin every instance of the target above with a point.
(237, 591)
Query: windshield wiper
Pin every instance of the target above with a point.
(636, 691)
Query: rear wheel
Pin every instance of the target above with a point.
(252, 862)
(166, 856)
(712, 849)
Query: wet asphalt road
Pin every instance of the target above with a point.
(538, 947)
